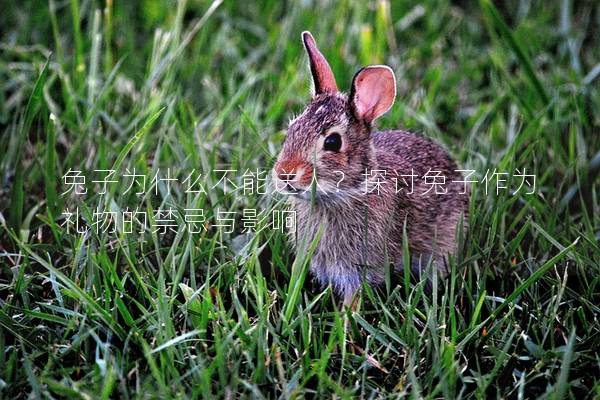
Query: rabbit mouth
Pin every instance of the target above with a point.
(321, 195)
(291, 189)
(288, 189)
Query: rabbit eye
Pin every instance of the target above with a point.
(333, 142)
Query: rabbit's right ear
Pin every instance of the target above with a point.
(323, 79)
(373, 92)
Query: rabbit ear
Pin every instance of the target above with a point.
(373, 92)
(323, 79)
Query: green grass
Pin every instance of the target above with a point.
(197, 85)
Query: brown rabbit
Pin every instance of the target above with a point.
(327, 167)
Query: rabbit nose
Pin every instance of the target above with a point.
(286, 170)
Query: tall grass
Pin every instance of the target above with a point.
(205, 86)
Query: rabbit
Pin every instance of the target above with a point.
(323, 168)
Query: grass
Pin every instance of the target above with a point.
(197, 85)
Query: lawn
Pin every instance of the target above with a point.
(103, 294)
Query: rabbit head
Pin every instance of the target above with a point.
(328, 147)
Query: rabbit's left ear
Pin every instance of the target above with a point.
(373, 92)
(323, 79)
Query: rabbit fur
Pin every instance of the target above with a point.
(362, 230)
